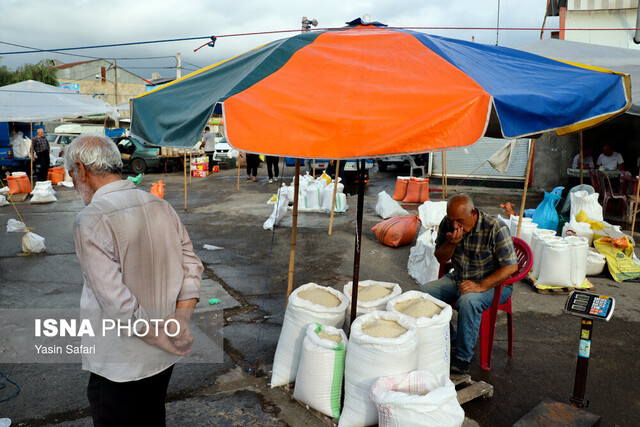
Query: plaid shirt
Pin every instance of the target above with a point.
(40, 144)
(482, 251)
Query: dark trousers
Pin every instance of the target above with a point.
(133, 403)
(272, 163)
(42, 160)
(253, 160)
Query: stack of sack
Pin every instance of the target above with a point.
(411, 190)
(43, 193)
(316, 195)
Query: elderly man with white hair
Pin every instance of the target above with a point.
(138, 265)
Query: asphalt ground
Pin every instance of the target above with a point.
(249, 276)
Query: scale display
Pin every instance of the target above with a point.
(589, 306)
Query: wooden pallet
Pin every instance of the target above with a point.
(21, 197)
(467, 390)
(565, 290)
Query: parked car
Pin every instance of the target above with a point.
(137, 155)
(222, 151)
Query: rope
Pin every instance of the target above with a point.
(24, 245)
(3, 385)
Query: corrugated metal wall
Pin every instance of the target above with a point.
(463, 161)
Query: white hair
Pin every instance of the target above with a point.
(97, 153)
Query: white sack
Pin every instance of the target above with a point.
(300, 313)
(416, 399)
(319, 378)
(555, 265)
(526, 231)
(537, 256)
(369, 306)
(434, 341)
(500, 159)
(423, 265)
(279, 209)
(580, 229)
(20, 147)
(387, 207)
(370, 358)
(43, 193)
(431, 213)
(535, 241)
(513, 227)
(3, 200)
(313, 196)
(595, 262)
(33, 243)
(579, 249)
(13, 225)
(583, 201)
(4, 191)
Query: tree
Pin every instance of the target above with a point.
(43, 71)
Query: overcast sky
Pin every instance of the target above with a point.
(48, 24)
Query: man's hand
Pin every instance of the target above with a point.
(158, 338)
(183, 340)
(455, 236)
(468, 286)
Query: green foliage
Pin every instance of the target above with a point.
(43, 71)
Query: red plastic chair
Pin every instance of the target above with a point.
(489, 316)
(606, 189)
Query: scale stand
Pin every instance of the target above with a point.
(589, 307)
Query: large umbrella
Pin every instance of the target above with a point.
(367, 91)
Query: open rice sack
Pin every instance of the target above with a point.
(372, 295)
(321, 368)
(432, 318)
(381, 344)
(416, 399)
(308, 304)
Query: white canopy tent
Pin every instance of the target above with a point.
(32, 101)
(612, 58)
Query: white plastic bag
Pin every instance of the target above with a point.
(423, 265)
(369, 306)
(279, 209)
(370, 358)
(416, 399)
(300, 313)
(387, 207)
(43, 193)
(4, 191)
(33, 243)
(595, 262)
(431, 213)
(434, 341)
(13, 226)
(583, 201)
(580, 229)
(555, 265)
(321, 368)
(3, 200)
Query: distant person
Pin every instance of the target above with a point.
(138, 266)
(610, 160)
(209, 142)
(253, 161)
(272, 166)
(587, 160)
(41, 148)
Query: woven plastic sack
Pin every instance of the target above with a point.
(369, 306)
(370, 358)
(400, 191)
(536, 238)
(3, 200)
(279, 208)
(397, 231)
(327, 198)
(431, 213)
(619, 255)
(157, 189)
(434, 340)
(33, 243)
(423, 265)
(387, 207)
(313, 195)
(14, 226)
(580, 229)
(555, 265)
(321, 369)
(537, 255)
(19, 184)
(417, 190)
(416, 399)
(579, 249)
(300, 313)
(43, 193)
(583, 201)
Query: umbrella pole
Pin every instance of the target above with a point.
(581, 160)
(526, 185)
(294, 229)
(238, 164)
(333, 202)
(358, 246)
(313, 170)
(185, 179)
(635, 210)
(31, 149)
(444, 154)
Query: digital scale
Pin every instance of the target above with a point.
(589, 307)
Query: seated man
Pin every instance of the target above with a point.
(610, 160)
(587, 160)
(483, 256)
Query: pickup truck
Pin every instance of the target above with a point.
(8, 160)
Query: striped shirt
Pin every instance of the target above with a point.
(487, 247)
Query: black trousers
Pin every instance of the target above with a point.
(272, 166)
(42, 160)
(133, 403)
(253, 160)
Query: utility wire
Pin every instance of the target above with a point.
(91, 57)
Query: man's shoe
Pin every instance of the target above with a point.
(275, 179)
(460, 366)
(270, 181)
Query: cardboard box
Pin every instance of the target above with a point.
(200, 173)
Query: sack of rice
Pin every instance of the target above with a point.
(555, 264)
(416, 399)
(319, 379)
(308, 304)
(381, 344)
(432, 318)
(372, 295)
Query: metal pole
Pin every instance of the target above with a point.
(580, 384)
(31, 137)
(115, 87)
(333, 202)
(498, 23)
(185, 179)
(358, 245)
(294, 230)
